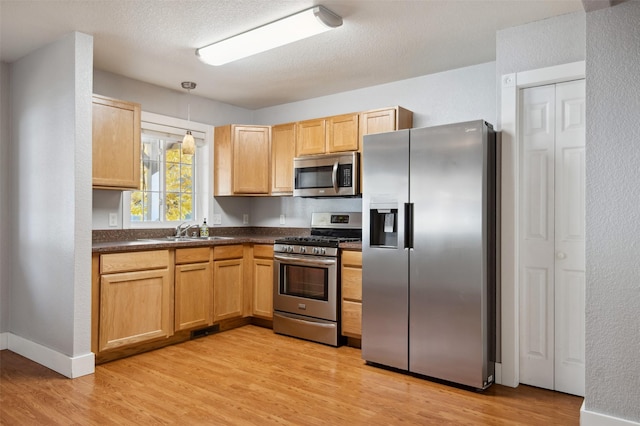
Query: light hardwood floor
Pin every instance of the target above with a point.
(250, 376)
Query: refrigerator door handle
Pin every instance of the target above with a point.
(408, 225)
(334, 176)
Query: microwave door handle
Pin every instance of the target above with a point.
(334, 177)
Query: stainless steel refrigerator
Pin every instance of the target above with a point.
(429, 251)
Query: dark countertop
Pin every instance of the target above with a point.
(112, 241)
(135, 245)
(351, 245)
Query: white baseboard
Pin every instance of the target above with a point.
(4, 339)
(590, 418)
(71, 367)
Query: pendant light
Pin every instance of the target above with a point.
(188, 143)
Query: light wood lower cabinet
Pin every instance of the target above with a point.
(193, 288)
(351, 272)
(263, 281)
(228, 282)
(149, 299)
(136, 298)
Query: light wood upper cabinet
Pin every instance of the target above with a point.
(263, 281)
(116, 144)
(327, 135)
(342, 133)
(242, 156)
(135, 298)
(385, 120)
(311, 136)
(351, 281)
(193, 288)
(283, 147)
(228, 282)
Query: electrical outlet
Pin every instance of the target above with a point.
(245, 219)
(217, 219)
(282, 219)
(113, 219)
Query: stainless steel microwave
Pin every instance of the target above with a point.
(326, 175)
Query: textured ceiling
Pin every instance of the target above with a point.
(380, 41)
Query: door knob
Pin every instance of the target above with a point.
(561, 255)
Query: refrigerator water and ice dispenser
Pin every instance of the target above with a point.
(384, 228)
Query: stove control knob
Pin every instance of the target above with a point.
(323, 251)
(289, 249)
(303, 249)
(315, 250)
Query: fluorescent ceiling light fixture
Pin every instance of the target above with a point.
(296, 27)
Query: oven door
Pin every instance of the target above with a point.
(306, 285)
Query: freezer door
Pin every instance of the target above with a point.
(384, 256)
(448, 298)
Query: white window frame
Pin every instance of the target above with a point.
(203, 181)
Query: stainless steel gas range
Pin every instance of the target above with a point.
(306, 293)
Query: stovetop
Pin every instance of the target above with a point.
(328, 230)
(317, 240)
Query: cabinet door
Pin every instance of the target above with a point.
(251, 159)
(378, 121)
(263, 288)
(283, 147)
(352, 319)
(193, 296)
(342, 133)
(351, 281)
(135, 307)
(228, 289)
(310, 137)
(116, 144)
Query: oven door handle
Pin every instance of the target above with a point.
(304, 262)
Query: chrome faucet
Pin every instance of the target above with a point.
(182, 232)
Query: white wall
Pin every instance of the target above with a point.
(458, 95)
(50, 205)
(5, 175)
(554, 41)
(541, 44)
(172, 103)
(613, 212)
(462, 94)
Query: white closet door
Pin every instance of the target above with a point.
(552, 187)
(570, 237)
(537, 241)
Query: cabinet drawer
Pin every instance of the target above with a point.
(352, 258)
(134, 261)
(351, 318)
(263, 250)
(192, 255)
(352, 283)
(227, 252)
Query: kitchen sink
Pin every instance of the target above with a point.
(172, 239)
(213, 238)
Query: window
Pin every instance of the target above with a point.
(173, 186)
(166, 181)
